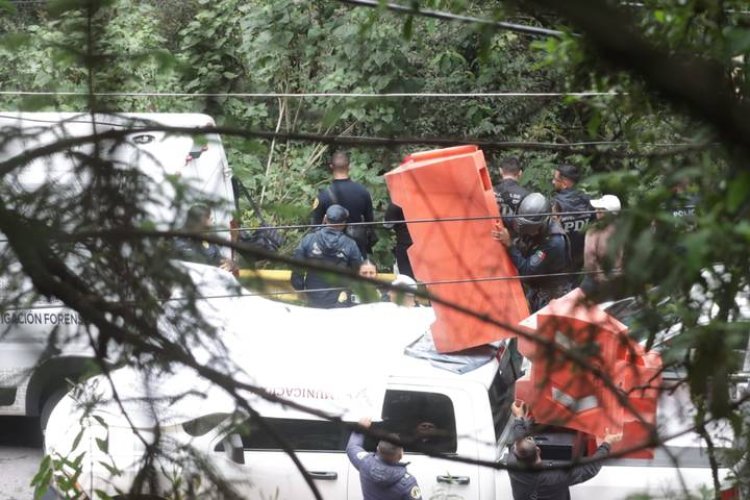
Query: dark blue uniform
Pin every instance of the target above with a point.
(542, 483)
(380, 480)
(330, 246)
(356, 199)
(572, 200)
(548, 253)
(394, 219)
(202, 252)
(509, 194)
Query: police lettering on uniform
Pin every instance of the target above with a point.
(352, 196)
(509, 193)
(381, 474)
(541, 248)
(569, 199)
(327, 245)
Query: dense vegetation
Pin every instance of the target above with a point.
(657, 129)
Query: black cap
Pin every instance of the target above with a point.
(336, 214)
(569, 172)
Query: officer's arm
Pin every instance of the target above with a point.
(520, 428)
(412, 490)
(354, 449)
(584, 472)
(298, 275)
(533, 264)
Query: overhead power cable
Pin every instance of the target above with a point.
(304, 95)
(386, 224)
(448, 16)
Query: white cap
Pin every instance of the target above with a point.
(405, 281)
(608, 202)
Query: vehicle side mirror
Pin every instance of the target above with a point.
(233, 448)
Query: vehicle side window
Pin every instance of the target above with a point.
(424, 421)
(301, 435)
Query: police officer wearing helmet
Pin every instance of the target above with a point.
(327, 245)
(542, 247)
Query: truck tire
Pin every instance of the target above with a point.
(49, 405)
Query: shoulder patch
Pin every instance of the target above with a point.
(316, 202)
(415, 492)
(362, 455)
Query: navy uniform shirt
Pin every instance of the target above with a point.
(380, 480)
(351, 195)
(547, 254)
(509, 195)
(572, 200)
(356, 199)
(329, 246)
(202, 252)
(539, 482)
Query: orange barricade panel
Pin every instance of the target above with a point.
(454, 183)
(568, 394)
(559, 392)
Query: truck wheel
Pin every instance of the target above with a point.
(49, 405)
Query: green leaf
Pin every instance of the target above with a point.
(738, 192)
(77, 439)
(738, 41)
(7, 6)
(103, 444)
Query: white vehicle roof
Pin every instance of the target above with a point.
(338, 361)
(157, 154)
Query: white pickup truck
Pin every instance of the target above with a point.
(318, 358)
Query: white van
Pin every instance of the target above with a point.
(34, 366)
(318, 358)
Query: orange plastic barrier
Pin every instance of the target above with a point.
(561, 392)
(455, 183)
(639, 375)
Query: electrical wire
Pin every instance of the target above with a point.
(409, 221)
(448, 16)
(386, 224)
(303, 95)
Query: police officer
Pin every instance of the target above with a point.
(531, 477)
(509, 192)
(381, 474)
(394, 219)
(199, 220)
(328, 245)
(541, 247)
(350, 195)
(569, 199)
